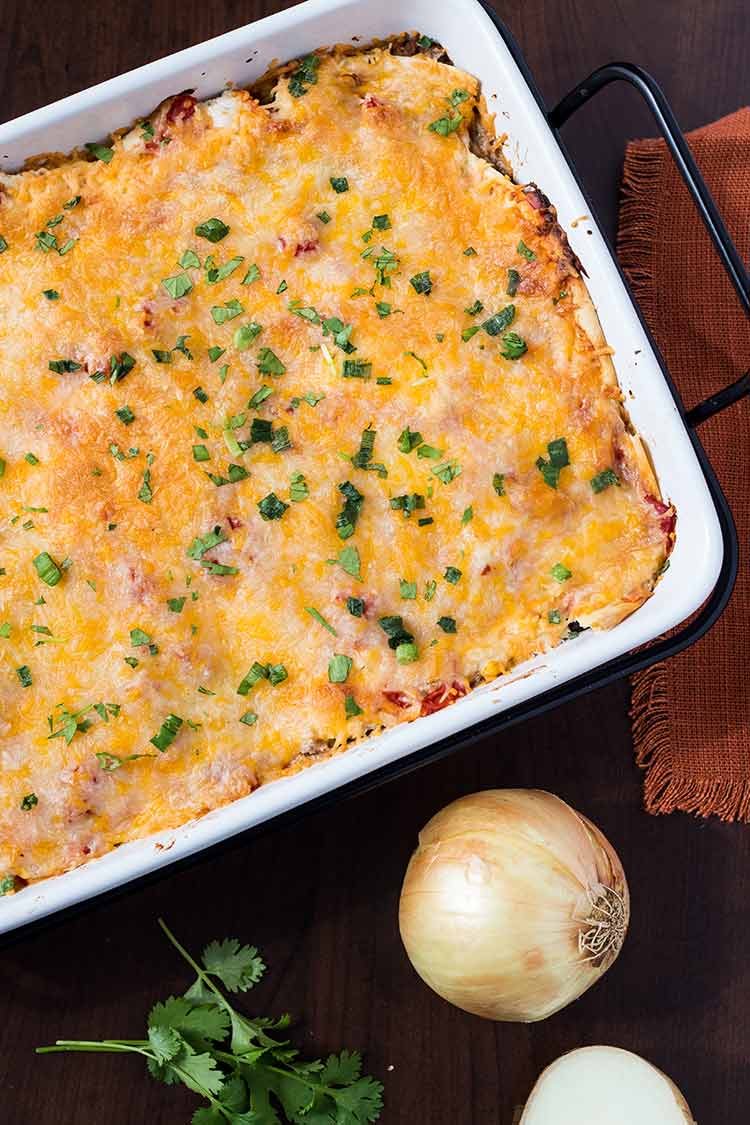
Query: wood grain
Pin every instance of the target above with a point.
(320, 898)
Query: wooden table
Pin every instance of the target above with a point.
(320, 898)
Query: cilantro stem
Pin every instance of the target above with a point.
(133, 1047)
(112, 1045)
(200, 973)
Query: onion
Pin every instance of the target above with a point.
(605, 1086)
(513, 904)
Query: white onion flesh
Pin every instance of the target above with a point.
(605, 1086)
(513, 904)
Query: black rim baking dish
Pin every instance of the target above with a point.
(621, 666)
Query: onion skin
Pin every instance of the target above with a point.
(496, 899)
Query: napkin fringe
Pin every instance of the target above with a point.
(663, 792)
(639, 225)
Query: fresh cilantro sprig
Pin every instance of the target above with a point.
(245, 1072)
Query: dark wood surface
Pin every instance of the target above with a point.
(320, 898)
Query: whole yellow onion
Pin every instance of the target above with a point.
(513, 904)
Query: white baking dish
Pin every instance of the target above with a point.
(474, 44)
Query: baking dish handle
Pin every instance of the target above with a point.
(667, 124)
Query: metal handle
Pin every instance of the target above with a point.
(667, 124)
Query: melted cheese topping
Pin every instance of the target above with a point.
(266, 172)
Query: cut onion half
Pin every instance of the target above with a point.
(605, 1086)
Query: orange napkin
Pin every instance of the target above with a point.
(691, 715)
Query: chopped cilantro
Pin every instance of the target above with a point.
(339, 184)
(190, 260)
(213, 230)
(408, 503)
(228, 311)
(350, 562)
(176, 604)
(145, 492)
(280, 440)
(524, 251)
(346, 520)
(271, 507)
(447, 624)
(260, 397)
(216, 274)
(409, 440)
(554, 617)
(256, 673)
(298, 489)
(498, 483)
(317, 616)
(604, 479)
(500, 321)
(177, 286)
(47, 569)
(558, 459)
(51, 294)
(397, 634)
(63, 366)
(268, 363)
(447, 472)
(356, 369)
(277, 673)
(305, 76)
(339, 667)
(408, 590)
(452, 574)
(356, 606)
(514, 279)
(101, 152)
(245, 335)
(24, 676)
(201, 544)
(561, 573)
(421, 282)
(513, 346)
(253, 274)
(352, 708)
(125, 414)
(167, 733)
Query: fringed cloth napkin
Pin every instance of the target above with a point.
(691, 715)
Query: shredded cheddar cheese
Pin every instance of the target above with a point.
(307, 426)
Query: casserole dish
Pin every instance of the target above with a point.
(705, 543)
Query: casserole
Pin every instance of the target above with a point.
(699, 555)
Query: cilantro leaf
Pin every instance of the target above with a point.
(199, 1024)
(242, 1068)
(238, 967)
(342, 1069)
(165, 1042)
